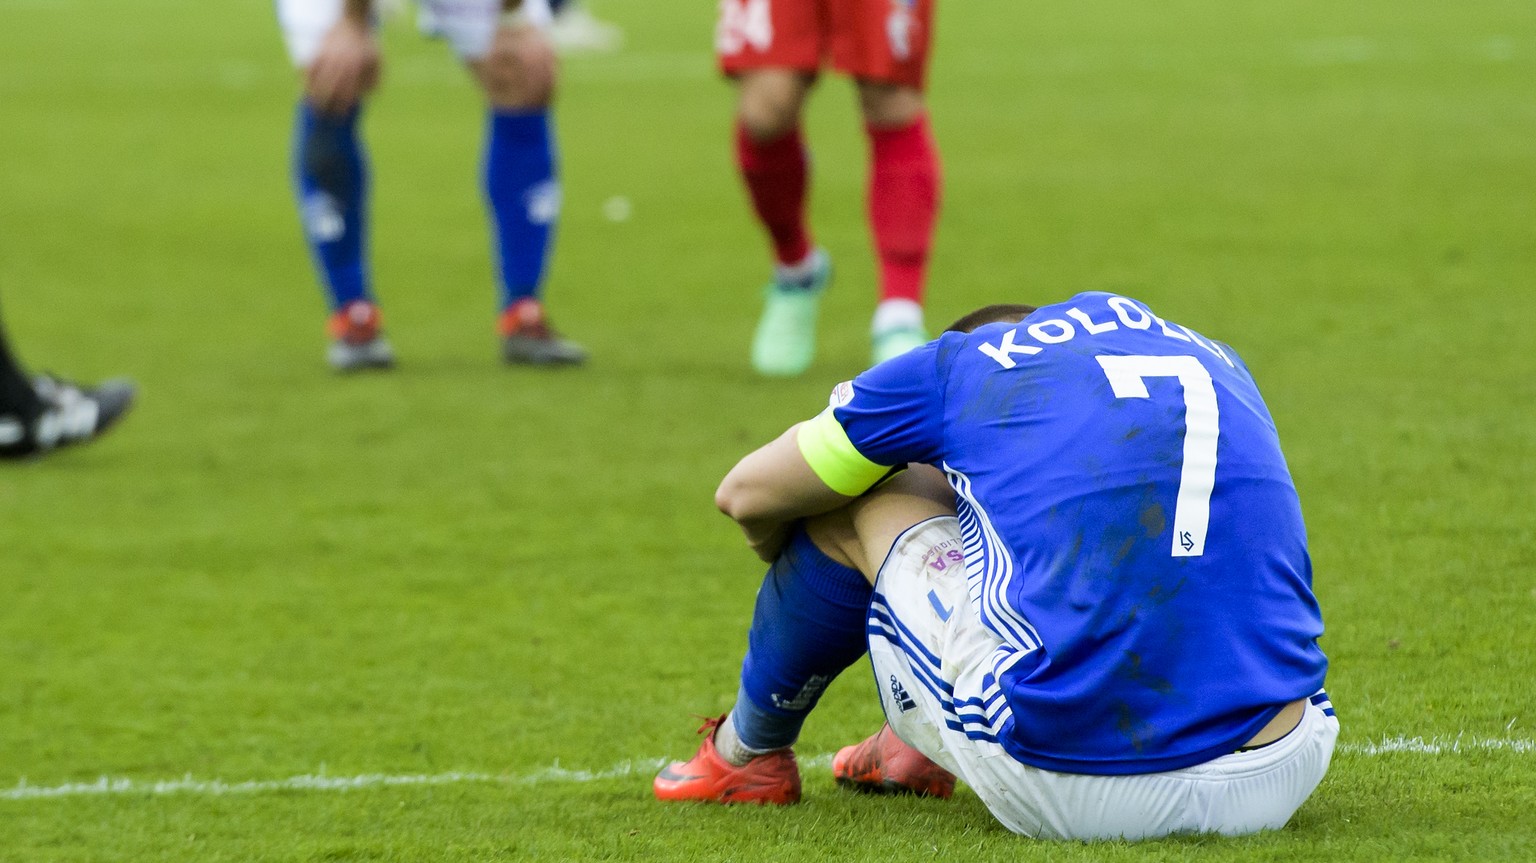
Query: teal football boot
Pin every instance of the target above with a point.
(785, 341)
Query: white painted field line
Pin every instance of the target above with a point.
(114, 786)
(108, 785)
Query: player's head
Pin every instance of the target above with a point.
(1010, 312)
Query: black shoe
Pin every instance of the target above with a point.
(71, 414)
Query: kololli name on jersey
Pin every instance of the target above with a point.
(1119, 312)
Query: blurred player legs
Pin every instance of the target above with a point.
(511, 59)
(775, 52)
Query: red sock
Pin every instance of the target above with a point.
(776, 173)
(903, 205)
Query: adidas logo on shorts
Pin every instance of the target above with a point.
(900, 696)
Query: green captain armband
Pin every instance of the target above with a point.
(834, 458)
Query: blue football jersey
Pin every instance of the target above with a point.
(1132, 534)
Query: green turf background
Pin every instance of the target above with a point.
(270, 571)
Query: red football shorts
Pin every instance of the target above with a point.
(872, 40)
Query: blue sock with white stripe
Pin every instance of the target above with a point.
(524, 197)
(808, 625)
(331, 173)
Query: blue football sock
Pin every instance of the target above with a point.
(332, 177)
(808, 625)
(524, 197)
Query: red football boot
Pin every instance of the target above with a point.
(885, 765)
(708, 777)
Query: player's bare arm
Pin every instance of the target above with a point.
(770, 489)
(347, 67)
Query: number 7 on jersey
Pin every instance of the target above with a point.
(1192, 512)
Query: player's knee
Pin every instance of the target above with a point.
(769, 105)
(890, 105)
(833, 535)
(766, 119)
(519, 71)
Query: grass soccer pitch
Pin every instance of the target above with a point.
(462, 611)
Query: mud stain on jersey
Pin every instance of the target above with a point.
(1009, 397)
(1153, 518)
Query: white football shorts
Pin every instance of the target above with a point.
(931, 656)
(467, 25)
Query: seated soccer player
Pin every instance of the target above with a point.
(39, 414)
(1108, 632)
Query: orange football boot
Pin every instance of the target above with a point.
(708, 777)
(883, 764)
